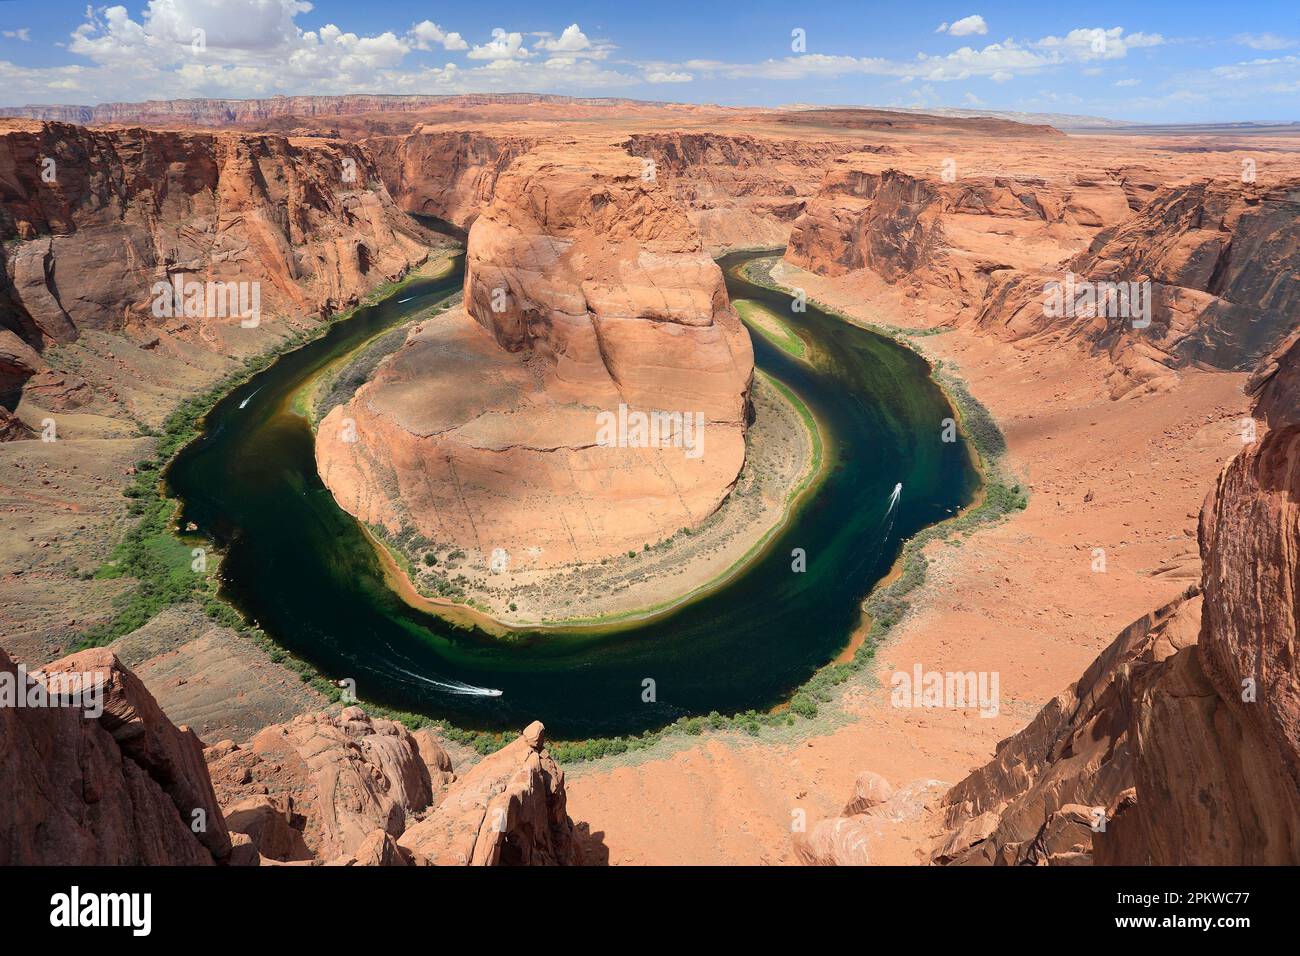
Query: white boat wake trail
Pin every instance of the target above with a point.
(452, 687)
(890, 512)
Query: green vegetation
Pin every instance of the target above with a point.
(163, 565)
(771, 326)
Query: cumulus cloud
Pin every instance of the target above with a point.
(22, 33)
(256, 48)
(502, 46)
(966, 26)
(571, 40)
(427, 34)
(659, 76)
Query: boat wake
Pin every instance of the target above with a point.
(452, 687)
(250, 398)
(890, 512)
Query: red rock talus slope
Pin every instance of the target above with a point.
(1186, 731)
(126, 787)
(482, 431)
(1225, 294)
(91, 219)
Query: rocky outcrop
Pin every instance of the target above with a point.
(1276, 385)
(92, 220)
(351, 790)
(495, 429)
(95, 774)
(123, 786)
(1076, 752)
(509, 810)
(738, 190)
(1181, 743)
(334, 779)
(925, 228)
(874, 812)
(1219, 258)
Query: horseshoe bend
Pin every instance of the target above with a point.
(492, 478)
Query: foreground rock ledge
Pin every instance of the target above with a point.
(128, 787)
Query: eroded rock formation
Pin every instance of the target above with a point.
(340, 777)
(1223, 291)
(124, 787)
(944, 235)
(586, 289)
(93, 219)
(509, 810)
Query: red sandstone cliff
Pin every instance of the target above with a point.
(92, 219)
(1181, 743)
(1224, 294)
(919, 225)
(125, 787)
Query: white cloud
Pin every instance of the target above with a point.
(1129, 82)
(1265, 41)
(1001, 76)
(22, 33)
(669, 77)
(502, 46)
(570, 41)
(970, 99)
(966, 26)
(427, 34)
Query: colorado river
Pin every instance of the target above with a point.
(304, 571)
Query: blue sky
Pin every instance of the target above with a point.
(1163, 61)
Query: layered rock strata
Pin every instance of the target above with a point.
(591, 398)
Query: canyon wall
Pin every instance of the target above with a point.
(451, 174)
(92, 219)
(586, 289)
(917, 225)
(125, 787)
(986, 251)
(738, 190)
(1223, 292)
(1181, 743)
(224, 112)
